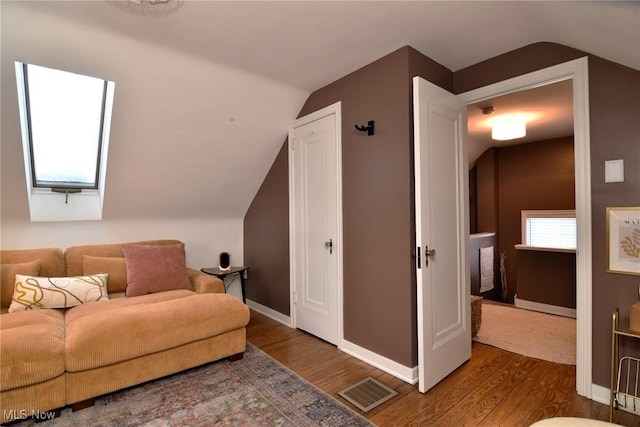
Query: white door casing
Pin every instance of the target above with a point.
(577, 70)
(442, 218)
(316, 224)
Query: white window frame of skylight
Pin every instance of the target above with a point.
(45, 205)
(553, 214)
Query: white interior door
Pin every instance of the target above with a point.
(441, 187)
(316, 224)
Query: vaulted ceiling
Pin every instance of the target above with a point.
(205, 90)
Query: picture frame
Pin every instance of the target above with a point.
(623, 240)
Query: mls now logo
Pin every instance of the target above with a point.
(21, 414)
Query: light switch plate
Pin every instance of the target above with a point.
(614, 171)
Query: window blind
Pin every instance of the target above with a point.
(549, 230)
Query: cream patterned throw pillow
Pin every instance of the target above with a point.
(32, 293)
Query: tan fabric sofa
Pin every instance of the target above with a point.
(51, 358)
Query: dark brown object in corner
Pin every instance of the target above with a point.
(235, 357)
(83, 404)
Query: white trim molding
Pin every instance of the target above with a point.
(404, 373)
(545, 308)
(269, 312)
(577, 71)
(601, 394)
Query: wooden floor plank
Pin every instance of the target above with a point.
(494, 388)
(517, 404)
(482, 401)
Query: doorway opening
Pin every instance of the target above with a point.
(576, 72)
(507, 265)
(536, 173)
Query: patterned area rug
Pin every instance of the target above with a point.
(254, 391)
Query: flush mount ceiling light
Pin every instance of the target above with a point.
(506, 127)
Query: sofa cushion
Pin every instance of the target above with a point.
(73, 255)
(113, 266)
(122, 329)
(32, 347)
(8, 278)
(76, 313)
(152, 268)
(32, 293)
(51, 259)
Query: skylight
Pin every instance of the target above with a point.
(65, 121)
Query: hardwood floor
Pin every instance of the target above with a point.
(495, 388)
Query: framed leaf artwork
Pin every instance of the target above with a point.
(623, 240)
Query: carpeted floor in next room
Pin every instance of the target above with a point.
(530, 333)
(254, 391)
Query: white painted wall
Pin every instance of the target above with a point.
(204, 238)
(191, 138)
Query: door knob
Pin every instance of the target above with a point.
(428, 253)
(329, 245)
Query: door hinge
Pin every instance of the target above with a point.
(418, 263)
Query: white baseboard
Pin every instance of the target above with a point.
(600, 394)
(269, 312)
(409, 375)
(545, 308)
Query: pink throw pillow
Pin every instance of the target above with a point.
(155, 268)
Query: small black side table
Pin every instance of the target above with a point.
(221, 274)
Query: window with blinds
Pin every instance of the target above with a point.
(549, 229)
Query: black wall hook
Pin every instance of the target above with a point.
(368, 128)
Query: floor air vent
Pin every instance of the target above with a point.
(367, 394)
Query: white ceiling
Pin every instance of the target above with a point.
(205, 90)
(308, 44)
(548, 111)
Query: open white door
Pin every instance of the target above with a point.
(442, 267)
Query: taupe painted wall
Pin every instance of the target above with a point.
(486, 170)
(266, 239)
(538, 175)
(379, 302)
(614, 92)
(378, 214)
(512, 64)
(376, 188)
(547, 277)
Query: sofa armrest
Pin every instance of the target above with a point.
(205, 283)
